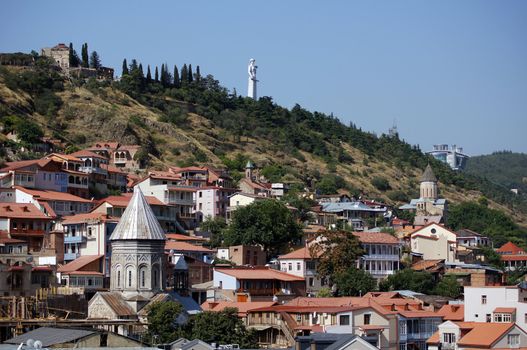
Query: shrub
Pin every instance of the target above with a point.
(380, 183)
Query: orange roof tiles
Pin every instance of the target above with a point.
(21, 211)
(376, 237)
(426, 264)
(484, 334)
(48, 195)
(259, 273)
(79, 263)
(84, 217)
(5, 239)
(124, 199)
(243, 307)
(87, 154)
(185, 247)
(452, 312)
(510, 248)
(505, 310)
(181, 237)
(302, 253)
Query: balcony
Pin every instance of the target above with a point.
(383, 257)
(74, 239)
(120, 161)
(448, 346)
(26, 232)
(91, 169)
(71, 256)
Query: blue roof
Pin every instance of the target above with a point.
(189, 304)
(341, 206)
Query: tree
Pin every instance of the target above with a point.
(354, 282)
(73, 57)
(329, 184)
(448, 287)
(198, 74)
(491, 257)
(84, 56)
(303, 206)
(125, 68)
(222, 327)
(266, 222)
(162, 321)
(380, 183)
(418, 281)
(177, 83)
(95, 61)
(337, 250)
(324, 292)
(189, 74)
(148, 75)
(216, 227)
(156, 76)
(184, 74)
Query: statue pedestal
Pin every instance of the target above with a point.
(251, 91)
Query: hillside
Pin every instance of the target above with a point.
(201, 122)
(504, 168)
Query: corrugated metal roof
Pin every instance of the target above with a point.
(138, 221)
(355, 206)
(117, 303)
(51, 336)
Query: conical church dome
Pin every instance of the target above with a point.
(138, 221)
(428, 175)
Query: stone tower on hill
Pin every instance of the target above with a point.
(428, 187)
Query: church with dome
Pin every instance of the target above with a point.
(138, 269)
(428, 207)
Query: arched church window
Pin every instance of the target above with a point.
(142, 277)
(129, 278)
(118, 278)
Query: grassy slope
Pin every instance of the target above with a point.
(86, 117)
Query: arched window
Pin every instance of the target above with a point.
(71, 179)
(119, 278)
(129, 278)
(143, 272)
(156, 282)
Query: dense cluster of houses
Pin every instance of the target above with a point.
(140, 241)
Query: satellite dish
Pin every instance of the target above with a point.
(37, 344)
(30, 342)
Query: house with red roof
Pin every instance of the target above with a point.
(303, 263)
(513, 257)
(257, 283)
(386, 320)
(476, 335)
(434, 241)
(120, 156)
(166, 214)
(382, 253)
(85, 272)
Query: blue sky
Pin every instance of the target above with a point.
(447, 71)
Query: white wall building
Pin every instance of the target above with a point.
(496, 304)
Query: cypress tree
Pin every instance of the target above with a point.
(177, 83)
(95, 60)
(141, 71)
(198, 74)
(156, 76)
(190, 78)
(133, 65)
(148, 75)
(73, 57)
(184, 74)
(125, 68)
(84, 56)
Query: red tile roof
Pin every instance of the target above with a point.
(484, 334)
(124, 199)
(185, 247)
(181, 237)
(302, 253)
(510, 248)
(48, 195)
(21, 210)
(87, 154)
(505, 310)
(258, 273)
(243, 307)
(5, 239)
(376, 237)
(79, 263)
(85, 217)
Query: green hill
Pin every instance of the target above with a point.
(504, 168)
(200, 122)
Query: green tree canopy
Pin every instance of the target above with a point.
(84, 56)
(95, 60)
(215, 226)
(448, 287)
(162, 327)
(354, 282)
(223, 327)
(266, 222)
(337, 250)
(418, 281)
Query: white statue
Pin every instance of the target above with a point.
(252, 78)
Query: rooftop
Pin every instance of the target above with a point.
(376, 237)
(21, 211)
(258, 273)
(49, 195)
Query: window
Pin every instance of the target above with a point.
(367, 318)
(449, 338)
(298, 317)
(344, 320)
(129, 278)
(118, 278)
(506, 318)
(311, 282)
(525, 317)
(290, 266)
(142, 278)
(483, 299)
(298, 266)
(488, 318)
(513, 339)
(89, 232)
